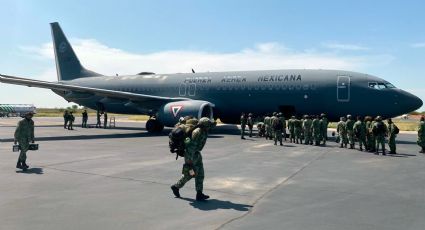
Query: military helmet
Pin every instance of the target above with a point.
(348, 116)
(206, 122)
(323, 115)
(305, 116)
(274, 114)
(378, 118)
(293, 117)
(280, 114)
(192, 121)
(250, 114)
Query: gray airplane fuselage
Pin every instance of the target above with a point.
(293, 92)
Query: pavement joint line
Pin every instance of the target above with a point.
(76, 161)
(136, 180)
(321, 156)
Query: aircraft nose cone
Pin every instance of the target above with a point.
(412, 102)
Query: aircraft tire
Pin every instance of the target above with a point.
(154, 126)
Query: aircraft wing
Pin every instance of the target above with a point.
(149, 101)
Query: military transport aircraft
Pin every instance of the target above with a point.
(224, 95)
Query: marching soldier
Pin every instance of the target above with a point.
(307, 127)
(298, 129)
(243, 125)
(277, 129)
(24, 135)
(291, 127)
(342, 132)
(65, 119)
(421, 134)
(350, 132)
(267, 125)
(392, 134)
(250, 123)
(193, 167)
(379, 131)
(370, 138)
(359, 129)
(85, 119)
(315, 125)
(324, 127)
(71, 119)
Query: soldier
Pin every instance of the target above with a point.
(315, 126)
(105, 120)
(324, 127)
(370, 138)
(272, 119)
(277, 129)
(98, 123)
(421, 134)
(298, 129)
(359, 129)
(267, 127)
(350, 132)
(341, 128)
(71, 120)
(392, 134)
(282, 118)
(250, 123)
(193, 166)
(243, 125)
(24, 134)
(85, 119)
(261, 129)
(65, 119)
(291, 128)
(379, 131)
(307, 127)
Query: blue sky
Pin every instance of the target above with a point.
(382, 38)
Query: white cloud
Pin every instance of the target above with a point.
(106, 60)
(341, 46)
(418, 45)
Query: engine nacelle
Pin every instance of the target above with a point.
(170, 113)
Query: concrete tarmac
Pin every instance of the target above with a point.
(120, 179)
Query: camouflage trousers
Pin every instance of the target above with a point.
(298, 135)
(421, 142)
(307, 137)
(324, 136)
(198, 168)
(277, 136)
(317, 137)
(24, 145)
(292, 135)
(268, 131)
(362, 142)
(370, 141)
(243, 127)
(343, 138)
(350, 137)
(379, 140)
(391, 143)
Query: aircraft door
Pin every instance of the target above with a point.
(343, 89)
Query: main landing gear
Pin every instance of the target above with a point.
(154, 126)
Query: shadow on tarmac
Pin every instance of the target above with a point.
(214, 204)
(38, 171)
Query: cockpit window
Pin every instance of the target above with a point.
(381, 86)
(373, 85)
(389, 85)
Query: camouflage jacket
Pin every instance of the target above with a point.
(307, 125)
(341, 128)
(25, 130)
(350, 125)
(421, 132)
(359, 129)
(195, 144)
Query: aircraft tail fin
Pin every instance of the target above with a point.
(68, 66)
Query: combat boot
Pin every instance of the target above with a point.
(24, 165)
(423, 150)
(341, 146)
(19, 165)
(383, 152)
(351, 146)
(175, 191)
(361, 149)
(201, 197)
(281, 144)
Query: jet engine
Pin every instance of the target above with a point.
(170, 113)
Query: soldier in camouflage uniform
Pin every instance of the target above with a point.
(324, 127)
(379, 131)
(291, 128)
(272, 120)
(243, 125)
(370, 138)
(267, 125)
(193, 166)
(359, 129)
(307, 127)
(282, 118)
(277, 129)
(341, 128)
(65, 119)
(350, 132)
(316, 130)
(298, 130)
(421, 134)
(392, 134)
(250, 123)
(24, 135)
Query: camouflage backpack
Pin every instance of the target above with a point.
(179, 134)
